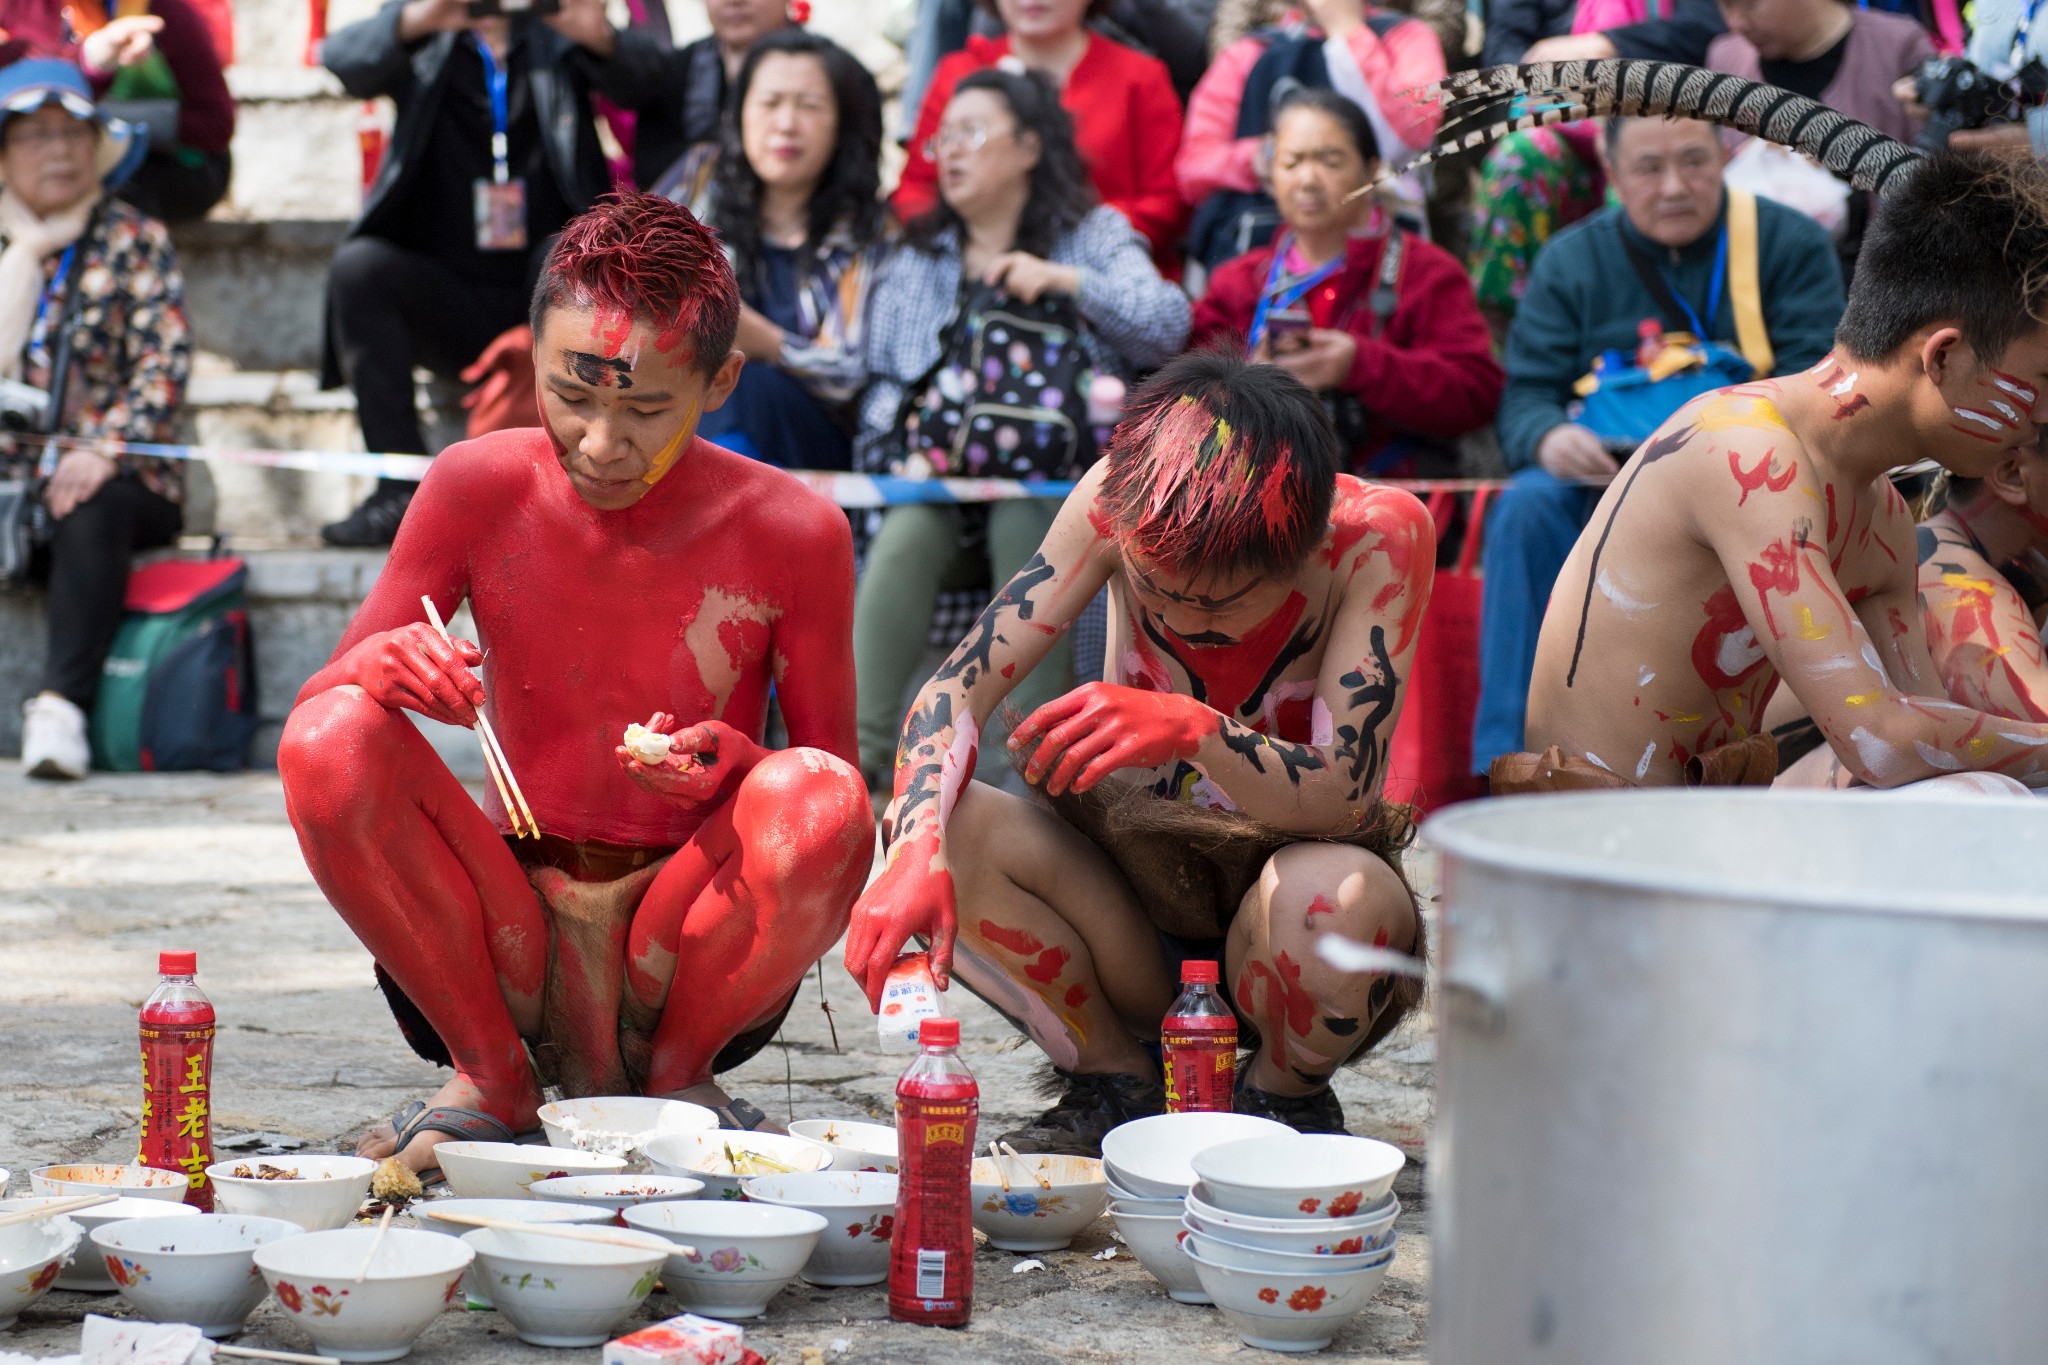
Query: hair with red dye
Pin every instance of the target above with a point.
(639, 256)
(1221, 465)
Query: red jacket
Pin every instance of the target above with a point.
(1431, 372)
(1126, 125)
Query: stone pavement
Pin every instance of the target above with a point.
(96, 877)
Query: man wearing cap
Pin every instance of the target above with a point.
(92, 313)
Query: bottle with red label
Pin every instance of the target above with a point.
(931, 1249)
(177, 1076)
(1198, 1041)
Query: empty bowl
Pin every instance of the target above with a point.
(724, 1157)
(859, 1209)
(741, 1254)
(1028, 1216)
(32, 1256)
(1278, 1311)
(856, 1145)
(1155, 1240)
(1238, 1256)
(413, 1276)
(508, 1170)
(200, 1270)
(433, 1216)
(558, 1292)
(1370, 1230)
(319, 1192)
(616, 1192)
(1149, 1156)
(130, 1182)
(1312, 1175)
(620, 1125)
(87, 1272)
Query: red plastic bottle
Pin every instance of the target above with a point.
(931, 1250)
(177, 1075)
(1198, 1039)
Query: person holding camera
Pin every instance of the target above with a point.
(92, 313)
(2006, 44)
(494, 150)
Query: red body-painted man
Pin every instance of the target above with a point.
(615, 567)
(1263, 615)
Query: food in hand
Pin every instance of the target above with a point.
(649, 746)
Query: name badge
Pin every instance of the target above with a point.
(501, 215)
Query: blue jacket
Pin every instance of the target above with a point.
(1583, 298)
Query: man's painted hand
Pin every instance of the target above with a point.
(1098, 728)
(705, 761)
(412, 668)
(914, 895)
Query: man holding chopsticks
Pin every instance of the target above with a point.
(627, 922)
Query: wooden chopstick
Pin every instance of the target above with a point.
(1043, 1183)
(72, 1205)
(574, 1234)
(377, 1242)
(995, 1159)
(252, 1353)
(495, 762)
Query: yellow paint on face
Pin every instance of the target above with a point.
(665, 460)
(1809, 629)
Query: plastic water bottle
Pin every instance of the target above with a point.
(931, 1250)
(177, 1076)
(1198, 1039)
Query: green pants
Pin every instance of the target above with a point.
(914, 556)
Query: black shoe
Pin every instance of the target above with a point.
(1316, 1112)
(374, 523)
(1090, 1107)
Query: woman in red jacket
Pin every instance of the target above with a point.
(1126, 116)
(1377, 320)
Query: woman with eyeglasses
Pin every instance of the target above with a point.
(92, 313)
(1015, 211)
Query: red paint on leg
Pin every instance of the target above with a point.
(1284, 993)
(1049, 965)
(1016, 940)
(1077, 996)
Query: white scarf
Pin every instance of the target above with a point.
(30, 242)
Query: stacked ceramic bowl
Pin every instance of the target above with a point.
(1145, 1166)
(1290, 1234)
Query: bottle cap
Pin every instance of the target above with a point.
(939, 1033)
(177, 963)
(1199, 974)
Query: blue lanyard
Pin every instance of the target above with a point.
(496, 79)
(1713, 291)
(2018, 56)
(1277, 295)
(55, 286)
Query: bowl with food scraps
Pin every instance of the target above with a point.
(87, 1273)
(316, 1192)
(199, 1270)
(1308, 1175)
(129, 1182)
(616, 1192)
(32, 1256)
(443, 1215)
(1243, 1257)
(411, 1278)
(558, 1292)
(1281, 1311)
(1036, 1203)
(859, 1209)
(620, 1125)
(508, 1170)
(1149, 1156)
(1370, 1230)
(856, 1145)
(1155, 1240)
(725, 1157)
(730, 1258)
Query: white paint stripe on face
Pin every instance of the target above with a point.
(1984, 419)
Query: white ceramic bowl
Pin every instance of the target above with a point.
(198, 1270)
(859, 1209)
(620, 1125)
(856, 1145)
(87, 1272)
(556, 1292)
(429, 1215)
(1155, 1240)
(1238, 1256)
(616, 1192)
(130, 1182)
(1365, 1233)
(32, 1256)
(1130, 1201)
(1285, 1312)
(1029, 1217)
(1149, 1157)
(701, 1156)
(414, 1276)
(743, 1254)
(1308, 1175)
(326, 1195)
(508, 1170)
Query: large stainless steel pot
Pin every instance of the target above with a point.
(1742, 1078)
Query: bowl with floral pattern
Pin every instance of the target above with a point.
(1048, 1201)
(1364, 1232)
(725, 1157)
(316, 1192)
(616, 1192)
(733, 1257)
(859, 1208)
(1307, 1175)
(438, 1215)
(510, 1170)
(87, 1273)
(200, 1270)
(1286, 1311)
(32, 1256)
(557, 1292)
(412, 1279)
(856, 1145)
(1243, 1257)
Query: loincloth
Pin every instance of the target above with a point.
(1751, 762)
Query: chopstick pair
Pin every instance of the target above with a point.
(73, 1205)
(1014, 1155)
(566, 1231)
(495, 762)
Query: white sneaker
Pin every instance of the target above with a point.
(53, 738)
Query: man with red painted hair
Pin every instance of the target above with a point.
(616, 567)
(1217, 797)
